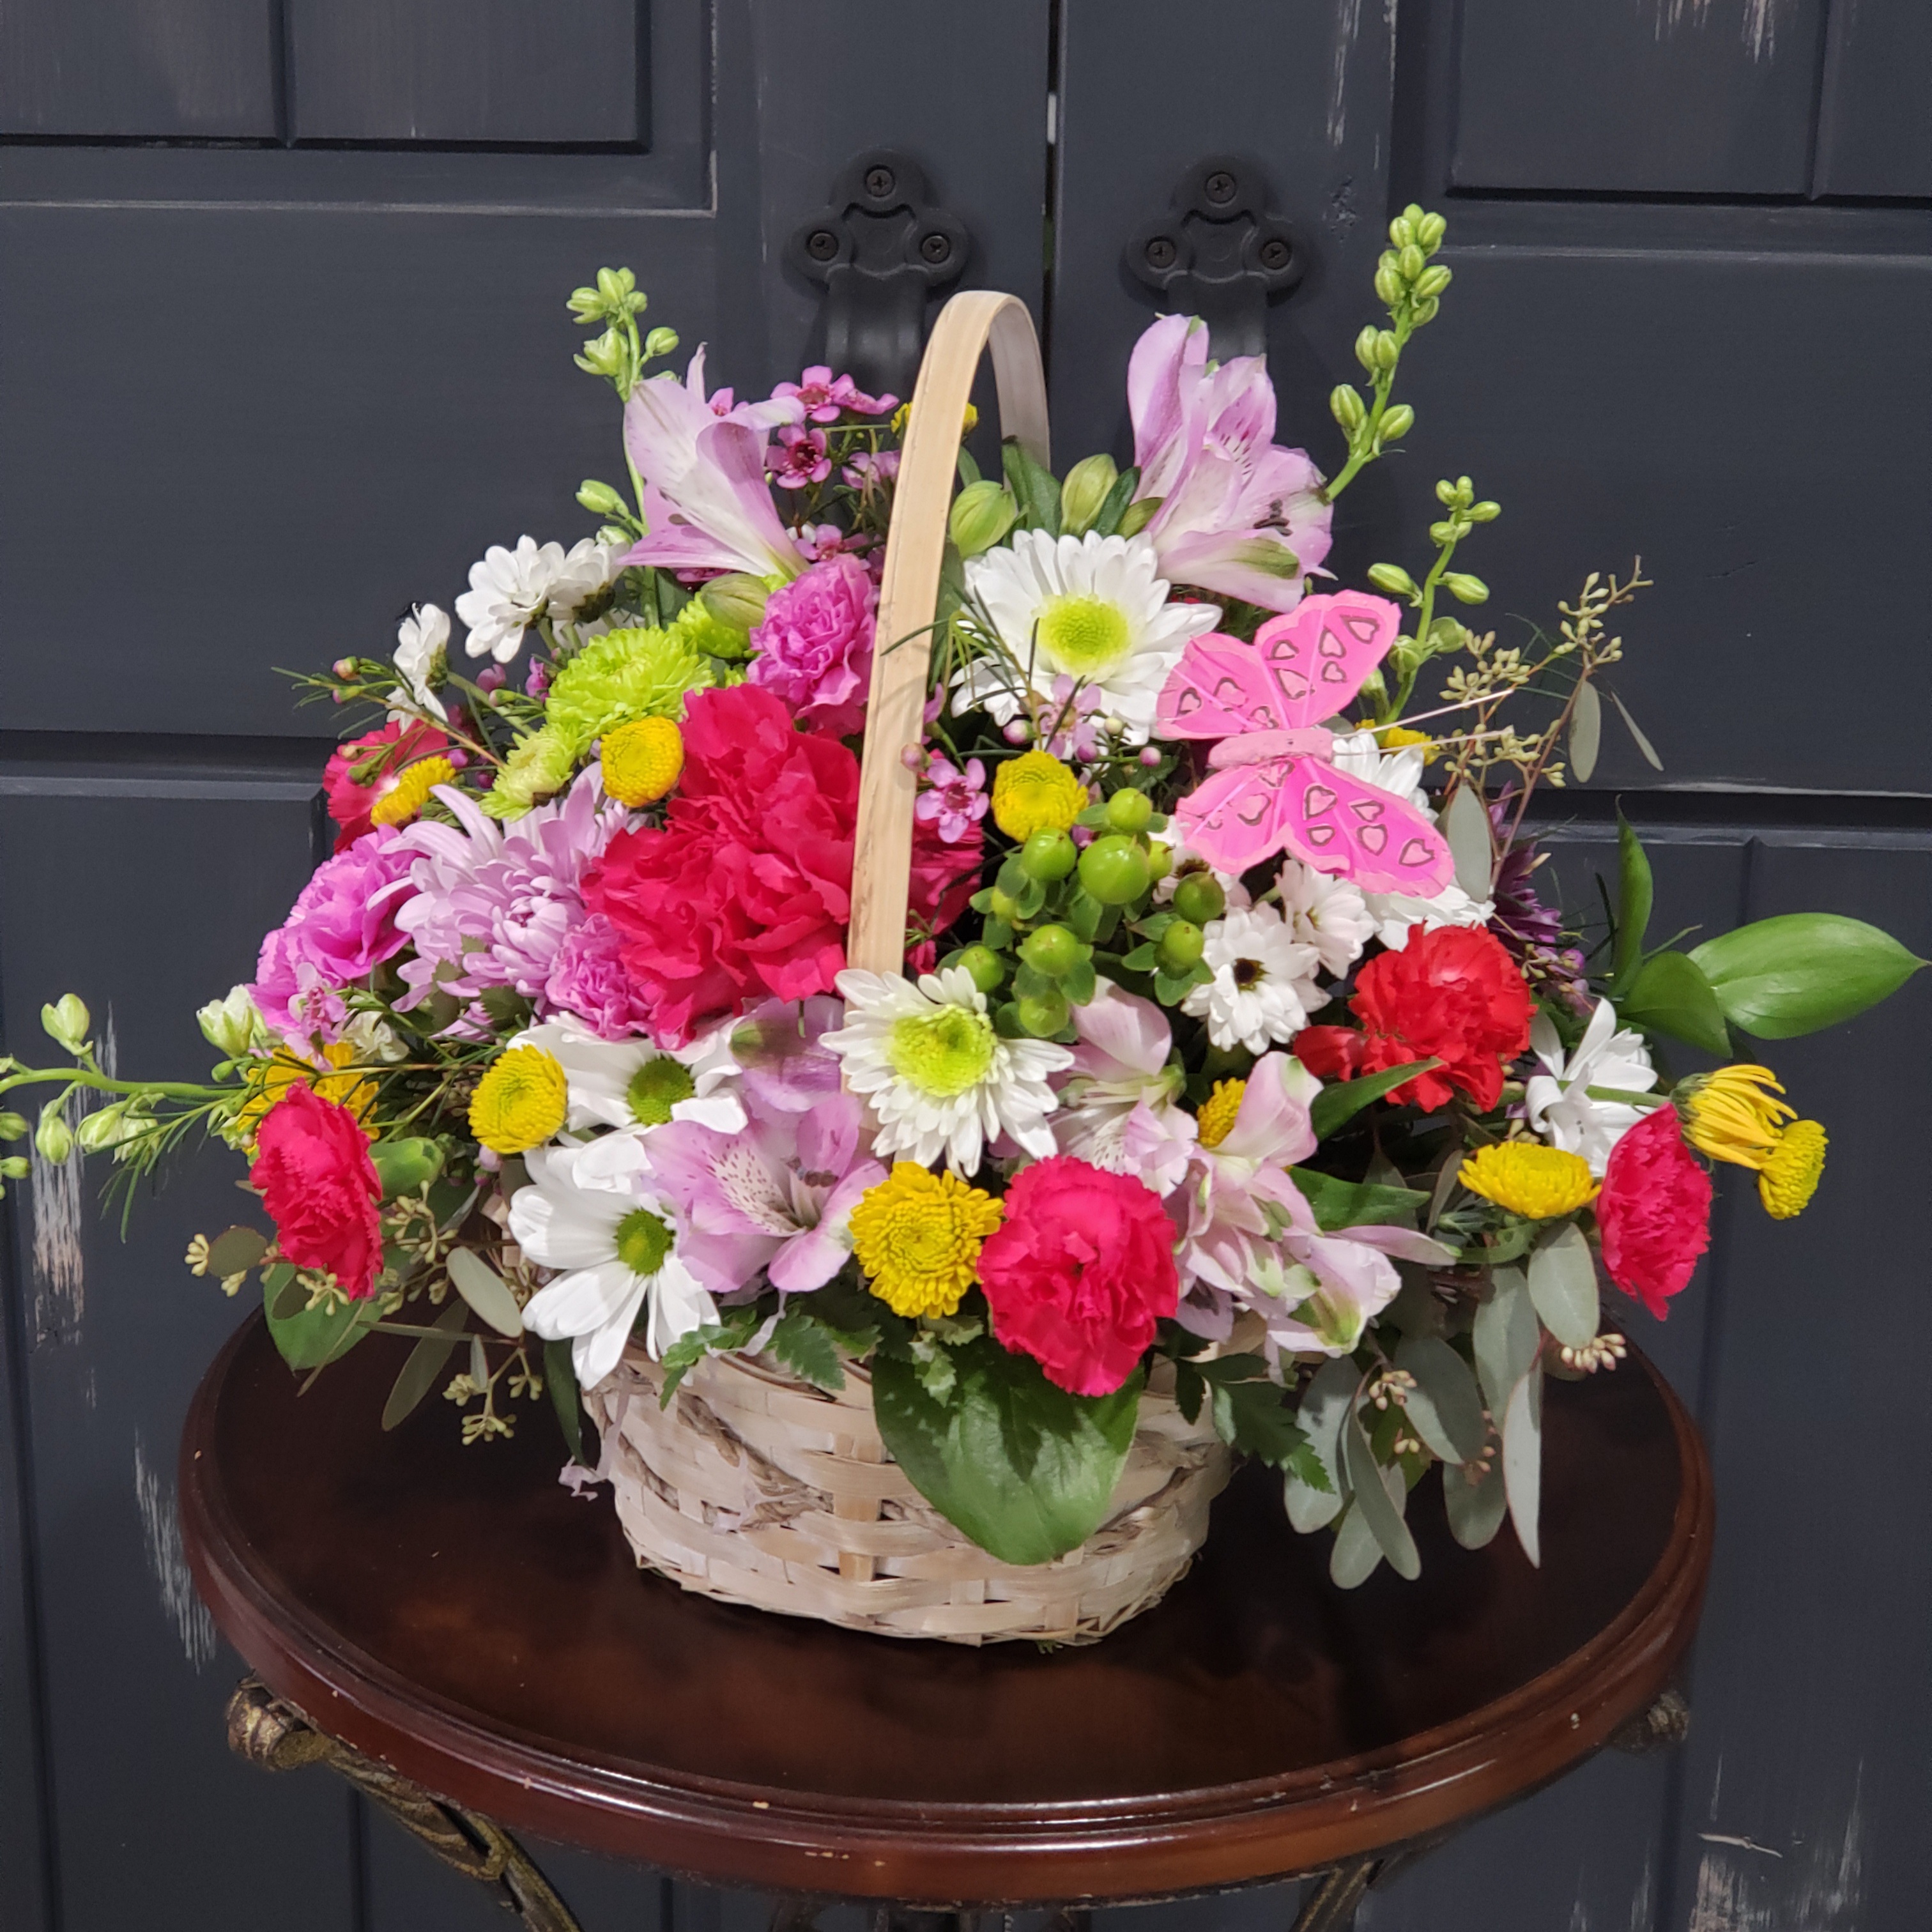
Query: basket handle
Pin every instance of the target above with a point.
(970, 323)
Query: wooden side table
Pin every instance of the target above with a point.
(473, 1646)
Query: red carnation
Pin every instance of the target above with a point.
(1454, 995)
(353, 777)
(1655, 1210)
(313, 1170)
(1079, 1272)
(747, 890)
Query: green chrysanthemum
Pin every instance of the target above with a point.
(623, 675)
(697, 626)
(539, 767)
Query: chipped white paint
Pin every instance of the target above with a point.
(1743, 1844)
(1817, 1886)
(1347, 25)
(1579, 1918)
(1758, 22)
(167, 1561)
(1643, 1903)
(1760, 29)
(60, 1276)
(1669, 15)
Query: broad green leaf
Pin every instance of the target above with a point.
(1586, 732)
(560, 1378)
(1465, 825)
(1507, 1338)
(805, 1346)
(1778, 978)
(1642, 743)
(1357, 1555)
(1635, 892)
(1341, 1100)
(234, 1249)
(282, 1293)
(485, 1291)
(1380, 1501)
(402, 1166)
(1024, 1469)
(1523, 1459)
(1476, 1510)
(308, 1340)
(1035, 489)
(1670, 995)
(1251, 1413)
(1445, 1406)
(1563, 1285)
(1115, 507)
(423, 1368)
(1325, 1404)
(1351, 1204)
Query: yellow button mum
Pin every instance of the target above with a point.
(1215, 1116)
(918, 1236)
(270, 1080)
(1035, 792)
(520, 1101)
(642, 761)
(1540, 1183)
(1788, 1177)
(410, 792)
(1399, 737)
(1730, 1115)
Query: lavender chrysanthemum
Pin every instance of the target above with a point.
(496, 903)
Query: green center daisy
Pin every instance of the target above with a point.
(655, 1088)
(1087, 636)
(643, 1241)
(942, 1053)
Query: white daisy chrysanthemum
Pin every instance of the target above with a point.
(422, 648)
(939, 1079)
(1264, 984)
(509, 590)
(1326, 913)
(1558, 1100)
(1094, 608)
(633, 1083)
(1184, 862)
(594, 1214)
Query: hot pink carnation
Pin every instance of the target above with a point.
(1654, 1211)
(360, 772)
(814, 648)
(1079, 1273)
(341, 927)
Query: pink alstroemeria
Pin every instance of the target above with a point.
(1239, 515)
(1315, 1293)
(706, 503)
(782, 1068)
(777, 1197)
(1120, 1101)
(822, 395)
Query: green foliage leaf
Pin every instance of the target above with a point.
(1351, 1203)
(1251, 1413)
(732, 1331)
(403, 1166)
(1024, 1469)
(1445, 1406)
(307, 1340)
(560, 1378)
(236, 1249)
(806, 1347)
(1340, 1101)
(1635, 893)
(1563, 1285)
(1670, 995)
(1586, 732)
(1380, 1502)
(1325, 1406)
(423, 1368)
(1033, 488)
(1778, 978)
(1522, 1460)
(485, 1291)
(1113, 506)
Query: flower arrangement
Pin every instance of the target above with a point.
(1237, 1052)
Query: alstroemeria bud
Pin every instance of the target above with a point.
(982, 513)
(1088, 484)
(103, 1129)
(737, 601)
(68, 1022)
(231, 1025)
(660, 342)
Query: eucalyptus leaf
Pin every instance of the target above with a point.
(1636, 891)
(236, 1249)
(1523, 1459)
(1325, 1406)
(1506, 1337)
(485, 1291)
(310, 1338)
(1341, 1100)
(479, 1363)
(1475, 1509)
(1465, 825)
(424, 1367)
(560, 1379)
(282, 1293)
(1357, 1555)
(1445, 1406)
(1380, 1501)
(1586, 732)
(1778, 978)
(1642, 743)
(1670, 995)
(1024, 1469)
(1563, 1285)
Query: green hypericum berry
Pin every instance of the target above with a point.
(1198, 897)
(1181, 946)
(1052, 950)
(1128, 810)
(1001, 905)
(1048, 855)
(985, 965)
(1115, 870)
(1043, 1013)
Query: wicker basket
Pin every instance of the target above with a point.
(756, 1488)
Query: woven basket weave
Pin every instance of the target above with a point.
(756, 1488)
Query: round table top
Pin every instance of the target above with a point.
(458, 1614)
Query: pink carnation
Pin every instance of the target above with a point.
(587, 978)
(814, 648)
(341, 927)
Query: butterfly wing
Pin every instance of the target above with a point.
(1316, 657)
(1219, 689)
(1343, 825)
(1237, 818)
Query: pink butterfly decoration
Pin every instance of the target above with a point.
(1274, 786)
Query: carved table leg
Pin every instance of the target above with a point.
(1330, 1907)
(277, 1737)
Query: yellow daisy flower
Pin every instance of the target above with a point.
(410, 792)
(918, 1235)
(1540, 1183)
(520, 1101)
(1788, 1177)
(642, 760)
(269, 1081)
(1731, 1115)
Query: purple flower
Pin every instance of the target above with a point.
(954, 801)
(494, 904)
(1521, 920)
(869, 466)
(822, 395)
(799, 460)
(587, 978)
(814, 648)
(1075, 714)
(344, 923)
(782, 1068)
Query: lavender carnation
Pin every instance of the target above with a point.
(588, 978)
(814, 648)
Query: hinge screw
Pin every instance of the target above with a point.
(879, 182)
(1220, 185)
(1161, 253)
(936, 248)
(821, 245)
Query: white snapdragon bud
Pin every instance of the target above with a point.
(232, 1026)
(67, 1022)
